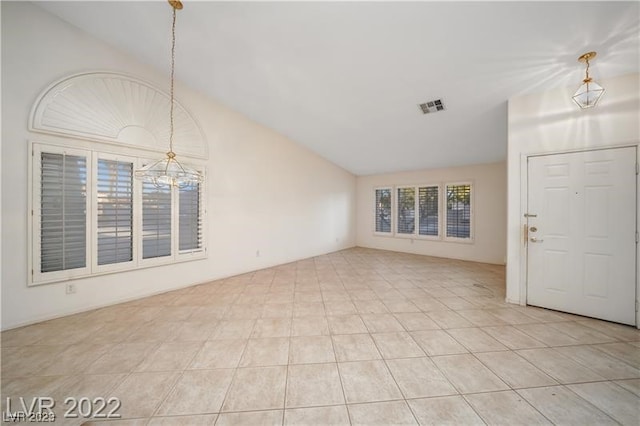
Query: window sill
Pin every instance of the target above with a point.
(182, 258)
(415, 237)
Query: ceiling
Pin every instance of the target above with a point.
(345, 78)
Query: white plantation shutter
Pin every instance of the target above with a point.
(428, 210)
(459, 211)
(190, 218)
(90, 216)
(115, 211)
(383, 210)
(63, 215)
(156, 221)
(406, 209)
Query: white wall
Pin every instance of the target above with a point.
(265, 192)
(550, 122)
(489, 198)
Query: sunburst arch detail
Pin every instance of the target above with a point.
(118, 109)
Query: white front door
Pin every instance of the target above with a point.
(582, 233)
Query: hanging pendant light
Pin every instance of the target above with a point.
(168, 170)
(589, 92)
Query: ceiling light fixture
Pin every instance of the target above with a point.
(589, 92)
(168, 170)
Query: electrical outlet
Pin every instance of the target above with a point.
(70, 288)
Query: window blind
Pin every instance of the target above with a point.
(190, 218)
(115, 211)
(459, 211)
(156, 221)
(383, 210)
(406, 210)
(428, 210)
(63, 216)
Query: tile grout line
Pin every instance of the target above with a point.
(289, 356)
(335, 356)
(234, 376)
(578, 396)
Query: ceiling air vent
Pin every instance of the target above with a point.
(432, 106)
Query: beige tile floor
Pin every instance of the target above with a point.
(355, 337)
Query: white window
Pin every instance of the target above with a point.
(417, 211)
(383, 210)
(61, 206)
(429, 211)
(114, 211)
(156, 221)
(90, 216)
(406, 210)
(189, 200)
(459, 211)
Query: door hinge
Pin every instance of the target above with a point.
(636, 306)
(637, 237)
(637, 168)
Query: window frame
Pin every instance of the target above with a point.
(442, 212)
(93, 152)
(440, 221)
(201, 209)
(113, 267)
(471, 238)
(391, 190)
(397, 215)
(416, 220)
(161, 260)
(36, 225)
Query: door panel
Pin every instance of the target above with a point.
(581, 249)
(555, 273)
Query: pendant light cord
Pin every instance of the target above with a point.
(173, 65)
(587, 70)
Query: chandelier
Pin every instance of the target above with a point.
(589, 92)
(168, 170)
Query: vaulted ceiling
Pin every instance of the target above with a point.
(345, 78)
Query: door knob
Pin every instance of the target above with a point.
(535, 240)
(533, 229)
